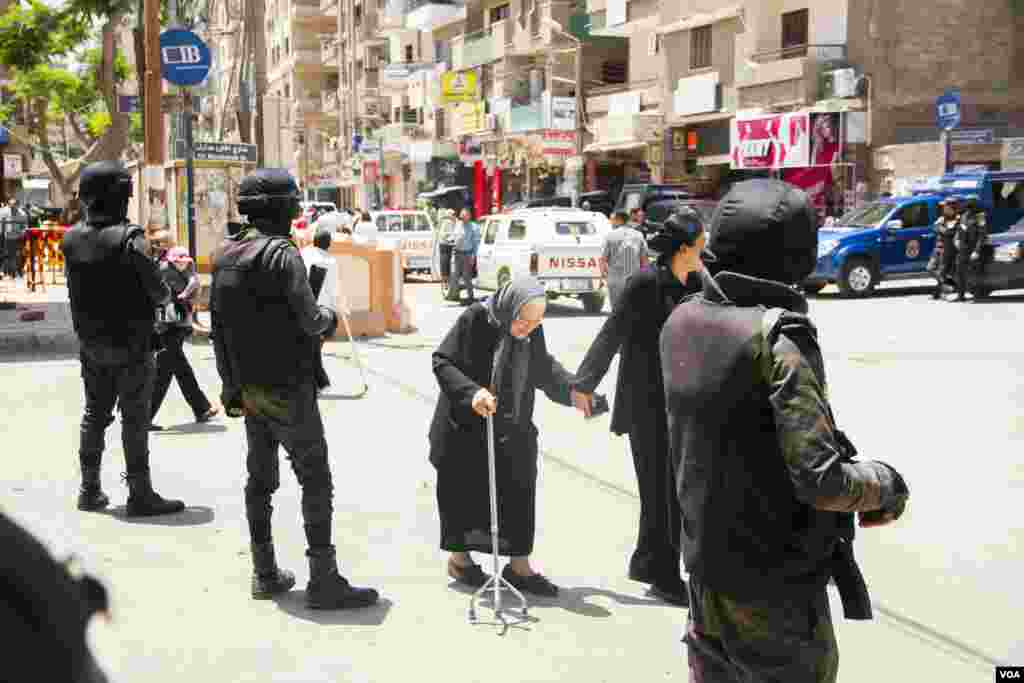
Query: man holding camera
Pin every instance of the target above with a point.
(767, 483)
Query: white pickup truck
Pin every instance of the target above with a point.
(561, 247)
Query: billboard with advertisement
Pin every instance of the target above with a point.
(370, 172)
(771, 142)
(818, 178)
(459, 86)
(558, 143)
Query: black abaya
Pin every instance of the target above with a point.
(634, 328)
(458, 447)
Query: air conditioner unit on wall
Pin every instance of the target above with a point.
(840, 83)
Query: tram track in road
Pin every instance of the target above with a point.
(932, 637)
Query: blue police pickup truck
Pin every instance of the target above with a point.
(892, 238)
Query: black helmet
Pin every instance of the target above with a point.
(682, 228)
(104, 189)
(766, 229)
(270, 194)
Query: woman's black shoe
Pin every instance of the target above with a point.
(472, 575)
(537, 584)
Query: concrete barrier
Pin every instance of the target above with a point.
(370, 280)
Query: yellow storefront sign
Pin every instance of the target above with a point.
(459, 86)
(468, 117)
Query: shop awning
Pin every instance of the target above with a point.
(612, 147)
(440, 192)
(701, 19)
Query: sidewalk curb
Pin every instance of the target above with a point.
(44, 344)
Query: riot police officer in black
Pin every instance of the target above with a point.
(114, 287)
(970, 238)
(266, 328)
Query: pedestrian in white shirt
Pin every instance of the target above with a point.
(317, 255)
(365, 230)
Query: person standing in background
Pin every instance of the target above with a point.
(467, 241)
(623, 254)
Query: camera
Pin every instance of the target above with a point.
(598, 406)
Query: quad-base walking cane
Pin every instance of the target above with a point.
(497, 580)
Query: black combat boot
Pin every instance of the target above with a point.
(327, 589)
(90, 496)
(268, 579)
(143, 501)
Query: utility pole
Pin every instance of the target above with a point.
(580, 173)
(153, 120)
(256, 9)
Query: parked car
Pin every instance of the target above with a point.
(539, 202)
(601, 201)
(561, 247)
(1002, 263)
(641, 195)
(412, 232)
(893, 238)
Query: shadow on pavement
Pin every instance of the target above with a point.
(884, 293)
(193, 428)
(193, 515)
(294, 603)
(572, 600)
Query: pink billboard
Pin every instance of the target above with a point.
(769, 142)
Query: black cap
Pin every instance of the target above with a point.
(765, 229)
(683, 227)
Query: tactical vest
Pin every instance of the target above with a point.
(109, 305)
(744, 532)
(264, 341)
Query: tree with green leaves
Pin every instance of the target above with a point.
(34, 41)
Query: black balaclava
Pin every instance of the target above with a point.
(765, 229)
(104, 189)
(270, 198)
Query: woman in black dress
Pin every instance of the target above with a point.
(634, 328)
(491, 363)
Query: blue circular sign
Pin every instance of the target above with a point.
(947, 110)
(184, 57)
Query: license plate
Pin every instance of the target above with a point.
(576, 285)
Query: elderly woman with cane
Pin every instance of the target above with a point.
(633, 329)
(502, 335)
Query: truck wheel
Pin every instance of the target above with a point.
(981, 292)
(592, 302)
(858, 278)
(810, 289)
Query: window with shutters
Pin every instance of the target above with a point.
(439, 124)
(795, 34)
(700, 47)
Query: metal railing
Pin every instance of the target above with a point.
(819, 53)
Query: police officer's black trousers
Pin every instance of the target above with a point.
(171, 363)
(656, 558)
(110, 376)
(301, 432)
(963, 270)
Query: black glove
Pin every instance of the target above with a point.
(894, 494)
(231, 399)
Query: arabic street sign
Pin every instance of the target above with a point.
(224, 151)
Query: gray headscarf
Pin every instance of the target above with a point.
(512, 357)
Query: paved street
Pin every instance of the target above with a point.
(930, 387)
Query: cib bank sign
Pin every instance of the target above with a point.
(184, 57)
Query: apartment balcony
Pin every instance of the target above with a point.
(483, 47)
(427, 15)
(370, 107)
(525, 118)
(329, 7)
(395, 138)
(625, 131)
(309, 12)
(603, 99)
(792, 76)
